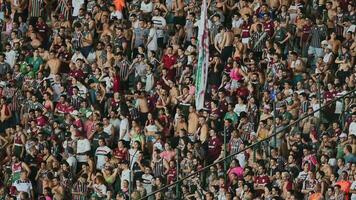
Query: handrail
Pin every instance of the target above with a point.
(248, 147)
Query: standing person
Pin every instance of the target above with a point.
(35, 9)
(124, 71)
(19, 9)
(80, 189)
(227, 45)
(18, 147)
(102, 153)
(151, 43)
(18, 168)
(317, 34)
(83, 148)
(214, 146)
(138, 37)
(5, 114)
(124, 129)
(4, 66)
(147, 180)
(178, 9)
(281, 36)
(24, 185)
(258, 40)
(160, 24)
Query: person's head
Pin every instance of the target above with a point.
(347, 149)
(169, 50)
(156, 12)
(337, 189)
(209, 196)
(212, 133)
(101, 142)
(167, 147)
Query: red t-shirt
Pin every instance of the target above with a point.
(262, 179)
(214, 145)
(168, 61)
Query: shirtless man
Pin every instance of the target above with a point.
(226, 45)
(203, 130)
(57, 189)
(142, 107)
(53, 64)
(178, 9)
(239, 47)
(331, 15)
(18, 7)
(193, 122)
(35, 42)
(245, 9)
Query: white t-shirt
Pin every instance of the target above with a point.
(10, 57)
(72, 163)
(101, 153)
(240, 108)
(352, 128)
(149, 82)
(237, 23)
(147, 182)
(133, 156)
(146, 8)
(353, 187)
(108, 129)
(83, 146)
(124, 129)
(77, 4)
(159, 23)
(152, 45)
(316, 107)
(23, 186)
(125, 175)
(100, 190)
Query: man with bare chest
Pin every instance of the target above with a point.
(178, 9)
(142, 107)
(226, 45)
(53, 64)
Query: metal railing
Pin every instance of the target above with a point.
(225, 159)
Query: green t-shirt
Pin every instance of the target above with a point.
(232, 116)
(281, 34)
(23, 68)
(35, 62)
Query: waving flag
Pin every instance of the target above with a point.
(203, 58)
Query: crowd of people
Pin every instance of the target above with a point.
(97, 100)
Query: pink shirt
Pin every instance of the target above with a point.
(167, 155)
(235, 75)
(238, 171)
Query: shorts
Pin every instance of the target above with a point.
(179, 20)
(245, 40)
(235, 84)
(226, 53)
(160, 42)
